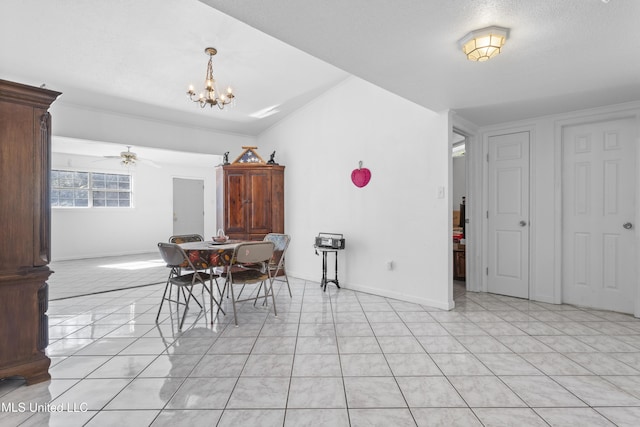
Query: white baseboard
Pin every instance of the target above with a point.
(382, 292)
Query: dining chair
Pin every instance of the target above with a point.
(250, 265)
(276, 263)
(177, 260)
(213, 272)
(185, 238)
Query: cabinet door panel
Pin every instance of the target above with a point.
(277, 201)
(16, 191)
(259, 191)
(236, 201)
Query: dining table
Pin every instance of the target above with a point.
(214, 257)
(210, 254)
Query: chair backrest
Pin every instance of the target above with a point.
(253, 252)
(173, 255)
(185, 238)
(280, 245)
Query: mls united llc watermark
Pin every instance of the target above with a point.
(43, 407)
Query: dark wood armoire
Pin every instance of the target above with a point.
(25, 234)
(250, 197)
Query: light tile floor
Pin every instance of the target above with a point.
(339, 358)
(93, 275)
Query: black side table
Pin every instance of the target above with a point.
(325, 281)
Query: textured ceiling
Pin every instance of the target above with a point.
(138, 57)
(561, 55)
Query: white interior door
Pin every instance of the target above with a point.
(598, 210)
(508, 215)
(188, 206)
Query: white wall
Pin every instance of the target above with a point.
(93, 232)
(398, 217)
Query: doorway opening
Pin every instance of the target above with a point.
(459, 216)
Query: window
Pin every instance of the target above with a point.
(90, 189)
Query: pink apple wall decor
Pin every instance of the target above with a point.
(360, 176)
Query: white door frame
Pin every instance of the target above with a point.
(586, 119)
(485, 204)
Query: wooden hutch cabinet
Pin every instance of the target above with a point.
(25, 217)
(250, 197)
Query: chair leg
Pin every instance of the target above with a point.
(273, 298)
(258, 294)
(212, 299)
(266, 293)
(233, 300)
(163, 298)
(286, 278)
(226, 282)
(221, 293)
(241, 290)
(191, 295)
(186, 307)
(179, 291)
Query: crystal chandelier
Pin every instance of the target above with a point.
(211, 96)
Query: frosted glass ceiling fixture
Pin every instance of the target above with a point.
(484, 44)
(211, 96)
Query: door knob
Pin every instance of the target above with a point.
(523, 223)
(627, 226)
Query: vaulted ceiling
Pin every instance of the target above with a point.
(138, 57)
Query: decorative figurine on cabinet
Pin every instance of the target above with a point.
(272, 159)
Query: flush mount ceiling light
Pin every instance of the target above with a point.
(483, 44)
(211, 96)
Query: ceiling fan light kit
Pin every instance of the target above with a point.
(128, 158)
(483, 44)
(211, 96)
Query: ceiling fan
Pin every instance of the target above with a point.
(129, 158)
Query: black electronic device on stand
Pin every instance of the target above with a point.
(327, 243)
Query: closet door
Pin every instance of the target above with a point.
(508, 215)
(599, 182)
